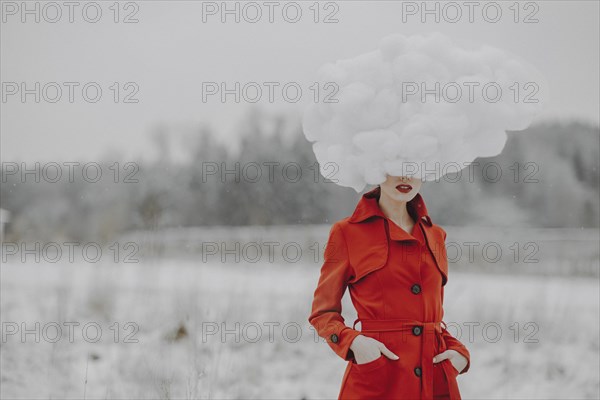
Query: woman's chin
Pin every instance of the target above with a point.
(405, 196)
(401, 196)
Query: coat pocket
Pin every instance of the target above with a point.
(371, 365)
(367, 381)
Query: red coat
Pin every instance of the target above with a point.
(396, 282)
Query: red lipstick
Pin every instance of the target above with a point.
(404, 188)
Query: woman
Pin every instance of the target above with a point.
(393, 260)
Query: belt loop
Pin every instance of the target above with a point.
(354, 326)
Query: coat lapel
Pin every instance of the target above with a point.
(368, 212)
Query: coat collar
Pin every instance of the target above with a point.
(368, 207)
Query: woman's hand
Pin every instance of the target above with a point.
(367, 349)
(458, 360)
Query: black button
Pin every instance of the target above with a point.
(416, 289)
(334, 338)
(416, 330)
(418, 371)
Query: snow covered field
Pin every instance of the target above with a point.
(168, 330)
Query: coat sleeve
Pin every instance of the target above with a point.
(453, 343)
(326, 311)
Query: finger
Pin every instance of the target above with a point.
(387, 352)
(441, 357)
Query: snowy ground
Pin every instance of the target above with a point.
(548, 348)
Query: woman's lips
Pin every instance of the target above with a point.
(403, 188)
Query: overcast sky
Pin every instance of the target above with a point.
(171, 51)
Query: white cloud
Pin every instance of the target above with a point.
(419, 102)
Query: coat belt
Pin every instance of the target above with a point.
(431, 331)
